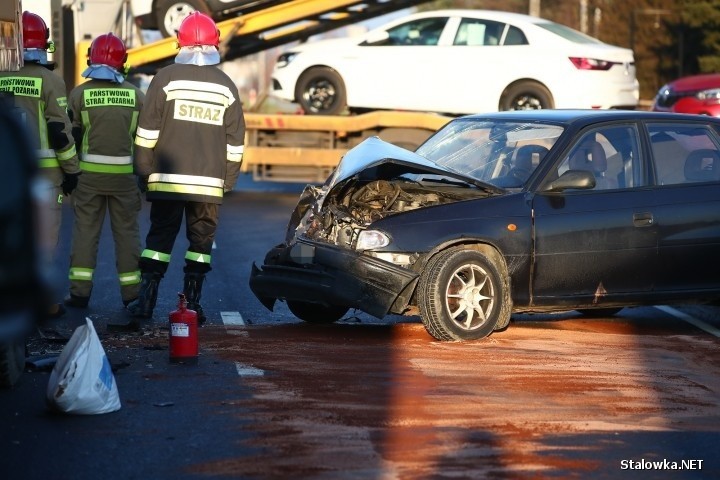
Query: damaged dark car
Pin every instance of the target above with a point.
(509, 212)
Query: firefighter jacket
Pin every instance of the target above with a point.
(104, 117)
(190, 138)
(42, 96)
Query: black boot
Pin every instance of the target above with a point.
(192, 290)
(144, 304)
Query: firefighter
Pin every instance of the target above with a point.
(42, 96)
(188, 149)
(104, 112)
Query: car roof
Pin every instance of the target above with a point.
(567, 116)
(488, 14)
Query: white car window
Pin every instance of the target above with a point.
(424, 31)
(568, 33)
(476, 32)
(515, 36)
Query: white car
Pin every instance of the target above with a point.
(458, 62)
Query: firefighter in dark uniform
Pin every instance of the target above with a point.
(104, 112)
(188, 149)
(42, 97)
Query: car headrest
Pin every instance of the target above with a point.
(702, 166)
(524, 156)
(589, 156)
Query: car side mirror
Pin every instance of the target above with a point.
(573, 179)
(378, 37)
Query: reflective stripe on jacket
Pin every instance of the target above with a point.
(190, 136)
(41, 95)
(105, 117)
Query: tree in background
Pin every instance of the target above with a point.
(701, 27)
(670, 38)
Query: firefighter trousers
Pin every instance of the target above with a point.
(90, 208)
(50, 212)
(166, 218)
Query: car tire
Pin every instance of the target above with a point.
(321, 91)
(170, 13)
(599, 312)
(316, 313)
(526, 96)
(12, 363)
(460, 278)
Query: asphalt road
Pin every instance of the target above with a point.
(552, 396)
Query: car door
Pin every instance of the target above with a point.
(596, 245)
(686, 168)
(486, 56)
(403, 68)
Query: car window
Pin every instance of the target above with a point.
(683, 154)
(504, 154)
(515, 36)
(424, 31)
(475, 32)
(567, 33)
(611, 154)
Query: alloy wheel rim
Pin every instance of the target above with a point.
(175, 15)
(526, 102)
(469, 297)
(320, 95)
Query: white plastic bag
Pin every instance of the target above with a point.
(82, 382)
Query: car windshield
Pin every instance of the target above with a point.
(503, 154)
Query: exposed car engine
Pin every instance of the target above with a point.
(351, 208)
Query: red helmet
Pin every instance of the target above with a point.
(198, 29)
(35, 31)
(108, 50)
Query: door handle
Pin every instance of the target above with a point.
(644, 219)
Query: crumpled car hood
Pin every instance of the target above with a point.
(374, 152)
(373, 159)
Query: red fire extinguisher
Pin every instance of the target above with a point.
(183, 334)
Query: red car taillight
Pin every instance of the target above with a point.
(582, 63)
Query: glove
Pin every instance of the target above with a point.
(69, 183)
(227, 189)
(142, 182)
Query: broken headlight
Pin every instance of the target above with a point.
(372, 239)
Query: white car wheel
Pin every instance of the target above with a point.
(171, 13)
(526, 96)
(321, 91)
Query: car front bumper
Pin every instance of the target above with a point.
(324, 274)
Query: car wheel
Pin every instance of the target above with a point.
(169, 14)
(526, 96)
(463, 295)
(321, 91)
(12, 362)
(316, 313)
(599, 312)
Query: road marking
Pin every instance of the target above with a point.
(232, 318)
(248, 371)
(691, 320)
